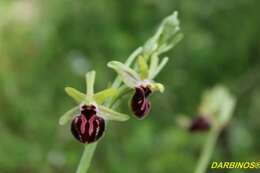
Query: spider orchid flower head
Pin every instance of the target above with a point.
(90, 115)
(142, 83)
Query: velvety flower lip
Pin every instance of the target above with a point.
(88, 110)
(200, 123)
(88, 127)
(139, 103)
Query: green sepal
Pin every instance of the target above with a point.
(129, 76)
(67, 116)
(101, 96)
(90, 81)
(75, 94)
(110, 114)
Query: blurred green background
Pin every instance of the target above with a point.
(47, 45)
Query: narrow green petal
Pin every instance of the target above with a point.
(144, 69)
(109, 114)
(160, 67)
(101, 96)
(152, 44)
(68, 115)
(132, 57)
(129, 76)
(90, 80)
(153, 65)
(75, 94)
(171, 44)
(177, 39)
(157, 87)
(165, 48)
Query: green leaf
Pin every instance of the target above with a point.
(101, 96)
(129, 76)
(109, 114)
(75, 94)
(68, 115)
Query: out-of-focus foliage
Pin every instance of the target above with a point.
(46, 45)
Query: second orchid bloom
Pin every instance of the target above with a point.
(141, 81)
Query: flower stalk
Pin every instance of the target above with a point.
(86, 158)
(207, 151)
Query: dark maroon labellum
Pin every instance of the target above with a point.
(87, 127)
(200, 123)
(140, 104)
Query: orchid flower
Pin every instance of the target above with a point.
(142, 83)
(89, 116)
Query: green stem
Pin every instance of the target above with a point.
(86, 158)
(207, 151)
(123, 90)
